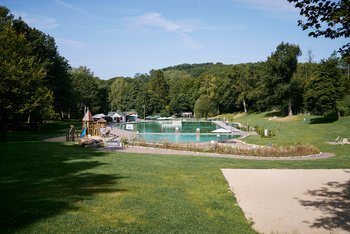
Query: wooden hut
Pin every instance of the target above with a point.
(100, 127)
(101, 123)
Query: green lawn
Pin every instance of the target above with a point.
(49, 129)
(304, 129)
(62, 188)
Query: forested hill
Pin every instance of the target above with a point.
(195, 70)
(213, 88)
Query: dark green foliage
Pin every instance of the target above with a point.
(181, 95)
(261, 86)
(158, 91)
(57, 77)
(118, 94)
(330, 19)
(85, 91)
(204, 107)
(103, 95)
(281, 66)
(323, 89)
(249, 86)
(34, 75)
(22, 86)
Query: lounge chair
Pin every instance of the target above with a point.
(337, 140)
(345, 141)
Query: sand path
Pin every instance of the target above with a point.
(293, 201)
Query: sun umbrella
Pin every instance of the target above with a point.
(221, 130)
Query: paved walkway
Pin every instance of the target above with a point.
(293, 201)
(234, 130)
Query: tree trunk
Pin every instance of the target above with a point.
(290, 112)
(244, 106)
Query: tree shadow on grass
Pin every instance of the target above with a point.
(323, 120)
(334, 202)
(40, 180)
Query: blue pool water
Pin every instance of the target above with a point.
(165, 131)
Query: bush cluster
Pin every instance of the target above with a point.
(260, 151)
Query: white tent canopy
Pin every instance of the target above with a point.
(98, 116)
(221, 130)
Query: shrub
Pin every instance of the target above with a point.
(261, 151)
(124, 141)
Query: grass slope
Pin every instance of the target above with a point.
(303, 129)
(62, 188)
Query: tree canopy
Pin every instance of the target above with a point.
(36, 81)
(281, 66)
(330, 19)
(22, 79)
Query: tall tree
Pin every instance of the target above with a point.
(323, 89)
(248, 84)
(179, 85)
(330, 19)
(158, 89)
(57, 77)
(85, 90)
(22, 86)
(204, 107)
(118, 94)
(281, 66)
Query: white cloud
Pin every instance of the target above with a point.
(183, 28)
(40, 22)
(157, 21)
(72, 7)
(269, 5)
(71, 43)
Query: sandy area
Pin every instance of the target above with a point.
(293, 201)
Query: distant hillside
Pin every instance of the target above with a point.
(195, 70)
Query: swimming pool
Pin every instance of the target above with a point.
(176, 131)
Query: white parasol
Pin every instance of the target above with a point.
(221, 130)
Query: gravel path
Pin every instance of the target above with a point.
(293, 201)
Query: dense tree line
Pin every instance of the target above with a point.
(37, 83)
(210, 89)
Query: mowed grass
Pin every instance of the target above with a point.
(49, 129)
(301, 129)
(62, 188)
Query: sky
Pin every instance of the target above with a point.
(125, 37)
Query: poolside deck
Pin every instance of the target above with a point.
(233, 130)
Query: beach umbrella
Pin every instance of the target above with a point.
(221, 130)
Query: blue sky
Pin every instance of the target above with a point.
(125, 37)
